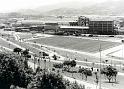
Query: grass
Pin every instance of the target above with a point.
(6, 44)
(25, 35)
(79, 44)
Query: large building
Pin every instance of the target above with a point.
(83, 25)
(103, 27)
(83, 21)
(74, 29)
(51, 26)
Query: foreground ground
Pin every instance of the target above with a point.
(34, 48)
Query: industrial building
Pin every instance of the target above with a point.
(103, 27)
(74, 29)
(71, 28)
(82, 25)
(51, 26)
(83, 21)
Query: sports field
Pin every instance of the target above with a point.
(79, 44)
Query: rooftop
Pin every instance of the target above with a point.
(74, 27)
(101, 19)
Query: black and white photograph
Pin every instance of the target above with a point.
(61, 44)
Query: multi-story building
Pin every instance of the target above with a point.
(104, 27)
(83, 21)
(51, 26)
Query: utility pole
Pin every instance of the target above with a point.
(100, 68)
(34, 60)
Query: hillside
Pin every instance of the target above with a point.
(106, 8)
(111, 7)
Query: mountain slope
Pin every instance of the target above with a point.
(106, 8)
(111, 7)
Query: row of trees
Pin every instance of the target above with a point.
(66, 65)
(108, 71)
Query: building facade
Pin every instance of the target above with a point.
(83, 21)
(103, 27)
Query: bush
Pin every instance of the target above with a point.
(70, 63)
(73, 71)
(89, 72)
(111, 36)
(54, 57)
(59, 33)
(45, 54)
(90, 35)
(65, 68)
(75, 85)
(58, 65)
(85, 71)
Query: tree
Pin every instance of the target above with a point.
(48, 81)
(55, 57)
(12, 72)
(26, 52)
(26, 55)
(110, 72)
(67, 63)
(45, 54)
(85, 71)
(58, 65)
(17, 50)
(73, 63)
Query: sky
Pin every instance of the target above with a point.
(14, 5)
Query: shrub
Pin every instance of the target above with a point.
(85, 71)
(45, 54)
(75, 85)
(90, 35)
(55, 57)
(58, 65)
(89, 72)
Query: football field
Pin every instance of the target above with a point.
(79, 44)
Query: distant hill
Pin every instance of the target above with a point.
(106, 8)
(110, 7)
